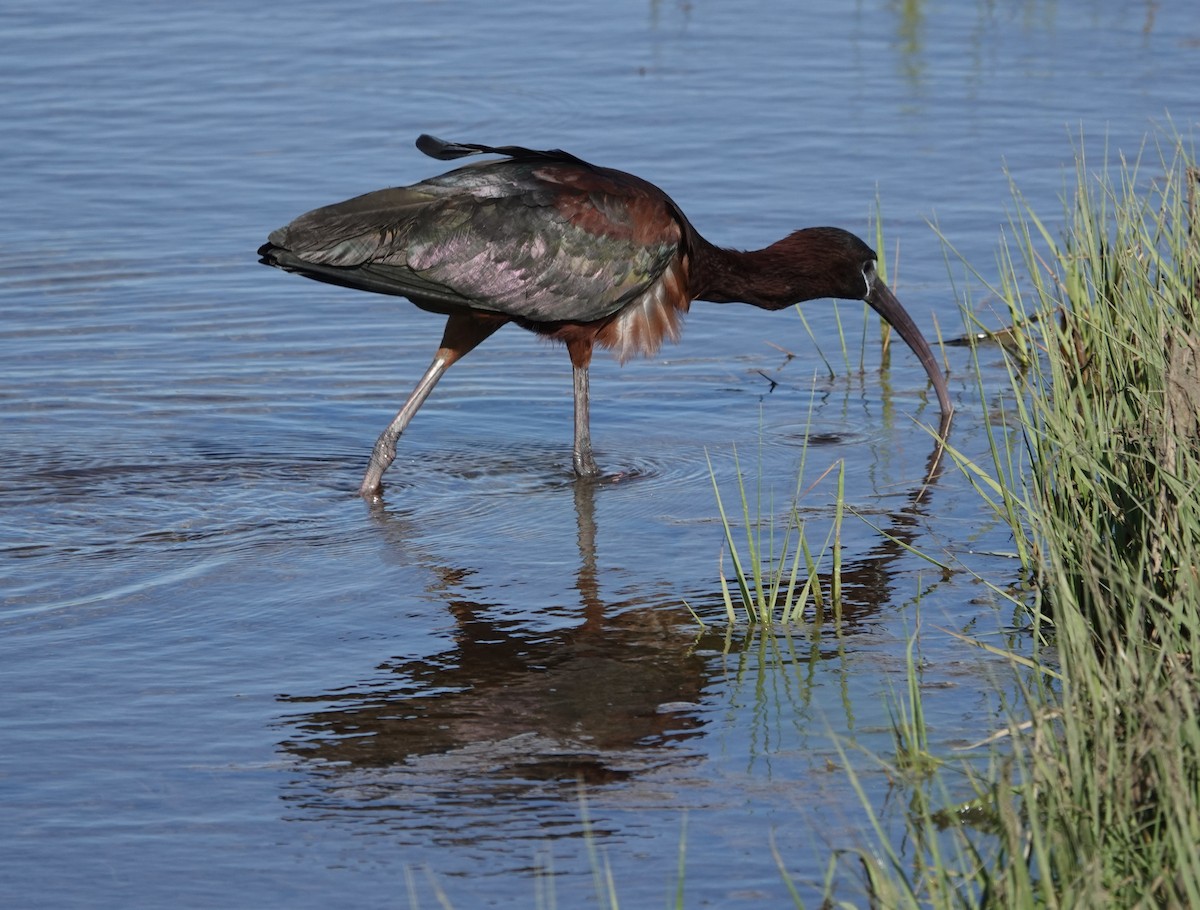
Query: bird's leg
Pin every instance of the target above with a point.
(385, 446)
(464, 331)
(581, 357)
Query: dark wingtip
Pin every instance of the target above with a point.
(446, 151)
(265, 252)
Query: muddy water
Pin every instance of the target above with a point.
(228, 682)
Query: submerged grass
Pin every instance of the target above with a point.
(768, 580)
(1097, 803)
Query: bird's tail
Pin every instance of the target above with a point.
(448, 151)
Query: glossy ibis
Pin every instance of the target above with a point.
(583, 254)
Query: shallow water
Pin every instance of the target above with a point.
(228, 682)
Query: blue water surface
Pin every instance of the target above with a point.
(228, 682)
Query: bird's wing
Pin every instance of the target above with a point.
(536, 239)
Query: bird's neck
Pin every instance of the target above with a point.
(770, 278)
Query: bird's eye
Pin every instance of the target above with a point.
(868, 273)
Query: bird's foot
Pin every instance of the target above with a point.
(382, 457)
(582, 458)
(586, 468)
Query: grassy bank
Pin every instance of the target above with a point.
(1096, 802)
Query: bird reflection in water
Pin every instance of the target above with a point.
(506, 711)
(614, 695)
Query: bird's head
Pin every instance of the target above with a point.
(836, 263)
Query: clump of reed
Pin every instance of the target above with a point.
(778, 579)
(1096, 799)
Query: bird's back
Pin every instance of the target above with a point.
(541, 237)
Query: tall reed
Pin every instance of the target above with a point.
(1098, 801)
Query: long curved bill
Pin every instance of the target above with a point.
(884, 302)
